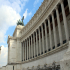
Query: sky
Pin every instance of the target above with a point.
(10, 12)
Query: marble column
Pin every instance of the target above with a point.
(42, 39)
(39, 41)
(36, 43)
(65, 21)
(22, 51)
(50, 37)
(46, 36)
(29, 47)
(69, 4)
(59, 26)
(25, 50)
(54, 30)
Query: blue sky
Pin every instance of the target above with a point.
(10, 12)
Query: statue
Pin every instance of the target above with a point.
(20, 22)
(22, 18)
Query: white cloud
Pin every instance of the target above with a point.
(9, 14)
(8, 17)
(3, 56)
(17, 5)
(30, 13)
(36, 1)
(26, 14)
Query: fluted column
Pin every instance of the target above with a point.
(42, 39)
(59, 26)
(54, 30)
(65, 21)
(25, 50)
(46, 36)
(36, 43)
(50, 37)
(22, 51)
(29, 47)
(69, 4)
(39, 41)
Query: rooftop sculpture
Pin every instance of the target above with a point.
(21, 22)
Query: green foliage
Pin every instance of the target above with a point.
(20, 23)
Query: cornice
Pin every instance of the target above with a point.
(13, 38)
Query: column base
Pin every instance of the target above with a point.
(58, 45)
(64, 41)
(42, 53)
(45, 51)
(53, 47)
(33, 56)
(30, 57)
(49, 49)
(38, 54)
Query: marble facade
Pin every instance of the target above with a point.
(44, 42)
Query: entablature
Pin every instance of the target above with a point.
(12, 38)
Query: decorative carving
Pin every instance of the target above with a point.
(54, 65)
(38, 67)
(45, 65)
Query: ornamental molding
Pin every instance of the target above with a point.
(12, 38)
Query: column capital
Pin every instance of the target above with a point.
(48, 17)
(56, 7)
(36, 30)
(41, 25)
(45, 22)
(27, 38)
(52, 12)
(61, 1)
(31, 35)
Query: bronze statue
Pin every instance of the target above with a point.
(20, 22)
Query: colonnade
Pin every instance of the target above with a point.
(37, 44)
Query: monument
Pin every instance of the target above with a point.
(44, 43)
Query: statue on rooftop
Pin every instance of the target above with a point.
(20, 22)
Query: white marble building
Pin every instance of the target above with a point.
(44, 42)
